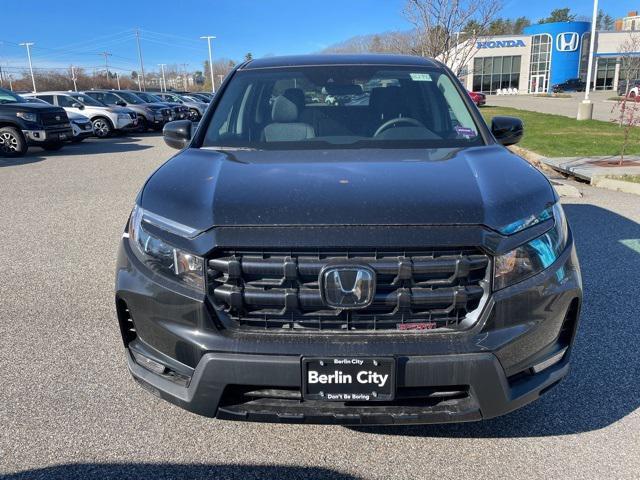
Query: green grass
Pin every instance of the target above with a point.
(626, 178)
(558, 136)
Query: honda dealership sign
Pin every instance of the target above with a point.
(501, 44)
(567, 41)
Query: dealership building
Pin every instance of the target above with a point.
(548, 54)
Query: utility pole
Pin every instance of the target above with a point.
(10, 82)
(118, 79)
(33, 79)
(164, 81)
(143, 88)
(106, 65)
(74, 78)
(208, 38)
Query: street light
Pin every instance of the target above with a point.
(164, 82)
(585, 109)
(208, 39)
(33, 79)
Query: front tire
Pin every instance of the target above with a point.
(12, 143)
(102, 127)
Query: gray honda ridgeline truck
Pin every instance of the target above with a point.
(379, 259)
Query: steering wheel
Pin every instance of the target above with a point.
(388, 124)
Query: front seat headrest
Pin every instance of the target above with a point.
(284, 110)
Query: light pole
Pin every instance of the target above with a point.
(74, 78)
(208, 38)
(585, 109)
(33, 79)
(164, 81)
(118, 79)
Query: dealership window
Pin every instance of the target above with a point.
(605, 73)
(493, 73)
(540, 63)
(584, 56)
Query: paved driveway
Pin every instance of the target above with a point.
(602, 109)
(69, 410)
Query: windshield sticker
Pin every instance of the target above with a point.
(420, 77)
(465, 132)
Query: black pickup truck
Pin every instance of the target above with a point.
(23, 124)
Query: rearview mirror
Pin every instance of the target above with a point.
(121, 103)
(77, 105)
(507, 130)
(177, 134)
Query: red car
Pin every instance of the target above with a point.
(478, 98)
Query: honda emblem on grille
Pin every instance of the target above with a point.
(347, 286)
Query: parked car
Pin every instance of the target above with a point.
(23, 124)
(356, 264)
(196, 108)
(572, 85)
(478, 98)
(180, 112)
(634, 88)
(106, 120)
(200, 97)
(150, 115)
(80, 125)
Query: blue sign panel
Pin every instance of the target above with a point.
(566, 40)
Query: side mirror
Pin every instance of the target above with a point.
(507, 130)
(121, 103)
(177, 134)
(78, 106)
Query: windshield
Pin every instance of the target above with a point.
(9, 97)
(342, 107)
(131, 98)
(87, 100)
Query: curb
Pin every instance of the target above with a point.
(617, 185)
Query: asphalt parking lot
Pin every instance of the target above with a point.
(603, 109)
(69, 410)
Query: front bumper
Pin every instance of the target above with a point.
(489, 365)
(126, 123)
(36, 137)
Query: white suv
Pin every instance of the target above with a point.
(105, 119)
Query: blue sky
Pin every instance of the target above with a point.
(76, 32)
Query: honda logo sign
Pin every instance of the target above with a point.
(567, 42)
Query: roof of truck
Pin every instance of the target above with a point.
(340, 59)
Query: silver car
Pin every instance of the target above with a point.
(196, 108)
(105, 119)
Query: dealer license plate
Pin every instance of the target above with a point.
(349, 379)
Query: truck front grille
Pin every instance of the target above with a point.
(415, 290)
(54, 118)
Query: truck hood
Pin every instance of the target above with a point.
(32, 107)
(487, 185)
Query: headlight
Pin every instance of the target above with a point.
(534, 256)
(29, 117)
(160, 256)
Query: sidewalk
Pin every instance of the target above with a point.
(591, 168)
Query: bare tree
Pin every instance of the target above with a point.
(440, 27)
(627, 110)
